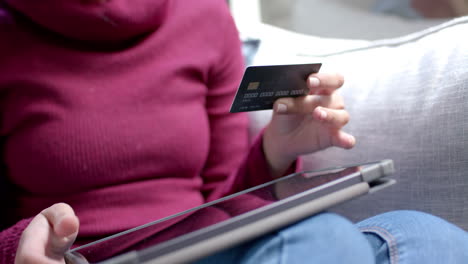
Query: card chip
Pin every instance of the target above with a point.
(253, 85)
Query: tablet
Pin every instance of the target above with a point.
(253, 212)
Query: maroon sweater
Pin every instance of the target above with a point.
(119, 109)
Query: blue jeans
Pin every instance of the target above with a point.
(395, 237)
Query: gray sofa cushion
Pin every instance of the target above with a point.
(408, 100)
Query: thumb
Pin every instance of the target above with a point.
(64, 229)
(302, 104)
(283, 105)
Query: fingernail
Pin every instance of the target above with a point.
(322, 114)
(281, 108)
(314, 82)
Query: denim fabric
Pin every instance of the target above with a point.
(324, 238)
(404, 237)
(399, 237)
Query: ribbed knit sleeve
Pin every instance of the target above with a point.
(9, 239)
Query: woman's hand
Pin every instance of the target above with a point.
(307, 124)
(49, 235)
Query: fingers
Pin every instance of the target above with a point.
(65, 225)
(324, 83)
(342, 140)
(307, 104)
(62, 218)
(335, 120)
(330, 113)
(322, 88)
(48, 236)
(332, 117)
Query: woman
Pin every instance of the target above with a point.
(115, 107)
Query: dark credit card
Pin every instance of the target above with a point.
(262, 85)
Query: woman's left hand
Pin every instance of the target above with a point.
(307, 124)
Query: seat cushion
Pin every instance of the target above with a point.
(408, 100)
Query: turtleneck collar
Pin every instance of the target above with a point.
(101, 21)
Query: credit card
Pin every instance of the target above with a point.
(262, 85)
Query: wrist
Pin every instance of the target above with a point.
(276, 155)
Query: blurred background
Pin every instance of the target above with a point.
(359, 19)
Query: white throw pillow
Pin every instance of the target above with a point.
(408, 100)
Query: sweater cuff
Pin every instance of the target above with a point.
(9, 240)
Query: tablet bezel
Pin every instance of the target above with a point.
(209, 240)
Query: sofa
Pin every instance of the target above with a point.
(407, 94)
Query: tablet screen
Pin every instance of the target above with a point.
(268, 195)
